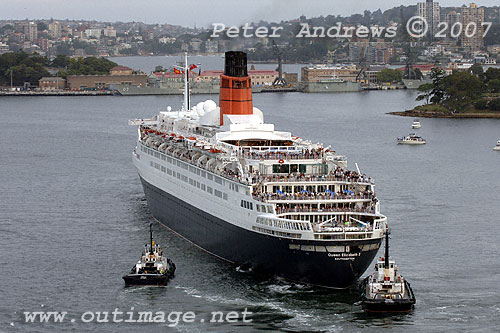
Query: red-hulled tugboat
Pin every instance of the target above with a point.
(385, 290)
(153, 269)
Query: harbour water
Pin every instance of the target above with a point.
(74, 219)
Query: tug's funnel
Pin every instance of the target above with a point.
(235, 86)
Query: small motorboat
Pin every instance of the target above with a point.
(411, 139)
(497, 147)
(153, 269)
(416, 124)
(385, 290)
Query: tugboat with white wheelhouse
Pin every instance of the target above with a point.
(153, 269)
(385, 290)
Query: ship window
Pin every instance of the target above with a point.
(163, 157)
(198, 172)
(178, 175)
(298, 189)
(174, 173)
(302, 168)
(281, 168)
(294, 167)
(184, 179)
(169, 159)
(178, 163)
(209, 190)
(184, 165)
(251, 205)
(169, 172)
(224, 196)
(197, 184)
(203, 187)
(209, 176)
(203, 174)
(269, 209)
(163, 169)
(218, 180)
(218, 193)
(151, 163)
(323, 168)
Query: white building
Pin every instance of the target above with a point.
(4, 48)
(93, 33)
(167, 40)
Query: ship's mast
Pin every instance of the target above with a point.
(186, 84)
(386, 261)
(151, 236)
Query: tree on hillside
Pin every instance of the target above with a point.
(426, 90)
(437, 76)
(477, 70)
(461, 89)
(494, 105)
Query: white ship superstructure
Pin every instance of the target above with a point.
(247, 193)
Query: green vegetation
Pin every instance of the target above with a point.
(24, 67)
(389, 75)
(86, 66)
(468, 91)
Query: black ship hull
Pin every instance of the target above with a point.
(264, 254)
(388, 306)
(146, 279)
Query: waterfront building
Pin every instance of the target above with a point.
(51, 83)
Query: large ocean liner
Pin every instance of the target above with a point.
(274, 203)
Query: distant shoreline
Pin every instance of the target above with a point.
(429, 114)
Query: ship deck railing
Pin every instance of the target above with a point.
(340, 211)
(298, 197)
(315, 178)
(285, 156)
(294, 229)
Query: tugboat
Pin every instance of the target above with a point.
(416, 124)
(411, 139)
(153, 269)
(386, 290)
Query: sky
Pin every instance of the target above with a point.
(199, 12)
